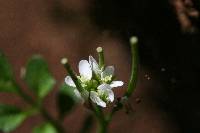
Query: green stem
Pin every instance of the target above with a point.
(102, 127)
(134, 67)
(118, 105)
(103, 123)
(54, 122)
(26, 98)
(133, 78)
(67, 66)
(44, 113)
(101, 57)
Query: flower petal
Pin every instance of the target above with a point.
(104, 86)
(69, 81)
(85, 69)
(106, 90)
(116, 83)
(109, 71)
(110, 95)
(96, 99)
(94, 65)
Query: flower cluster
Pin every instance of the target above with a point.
(97, 82)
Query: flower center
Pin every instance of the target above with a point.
(104, 96)
(89, 85)
(107, 79)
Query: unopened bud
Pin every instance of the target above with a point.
(133, 40)
(64, 61)
(99, 49)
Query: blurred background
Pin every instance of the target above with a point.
(168, 32)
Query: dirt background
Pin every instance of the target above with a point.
(169, 52)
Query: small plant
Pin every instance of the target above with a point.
(93, 87)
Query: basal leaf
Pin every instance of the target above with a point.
(10, 117)
(45, 128)
(65, 99)
(6, 76)
(38, 76)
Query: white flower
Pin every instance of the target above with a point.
(85, 77)
(85, 70)
(106, 76)
(103, 95)
(98, 87)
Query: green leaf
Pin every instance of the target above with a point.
(38, 76)
(8, 86)
(66, 99)
(5, 68)
(7, 83)
(45, 128)
(10, 117)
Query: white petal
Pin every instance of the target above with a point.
(116, 84)
(96, 99)
(109, 71)
(93, 62)
(69, 81)
(110, 95)
(104, 86)
(85, 69)
(105, 89)
(94, 65)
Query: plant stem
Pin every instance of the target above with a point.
(54, 122)
(44, 113)
(26, 98)
(103, 123)
(102, 127)
(67, 66)
(132, 81)
(116, 108)
(134, 67)
(101, 57)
